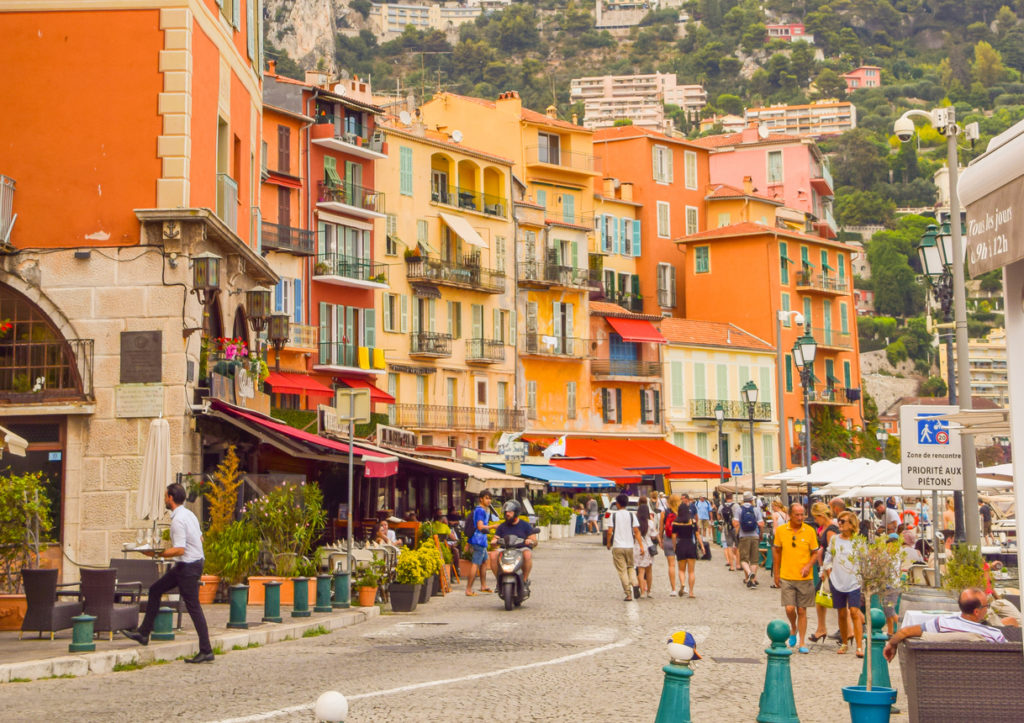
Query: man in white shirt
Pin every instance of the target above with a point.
(187, 546)
(888, 518)
(974, 607)
(624, 532)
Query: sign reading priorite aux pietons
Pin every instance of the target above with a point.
(930, 457)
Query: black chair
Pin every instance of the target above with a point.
(135, 577)
(43, 610)
(98, 592)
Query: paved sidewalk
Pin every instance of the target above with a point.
(32, 658)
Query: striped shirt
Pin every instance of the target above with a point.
(957, 624)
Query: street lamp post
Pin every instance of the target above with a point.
(749, 392)
(883, 440)
(804, 351)
(720, 418)
(944, 121)
(798, 319)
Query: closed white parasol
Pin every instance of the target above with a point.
(156, 471)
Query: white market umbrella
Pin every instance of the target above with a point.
(1002, 472)
(156, 471)
(882, 473)
(799, 474)
(881, 491)
(848, 471)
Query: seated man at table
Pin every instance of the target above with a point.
(974, 606)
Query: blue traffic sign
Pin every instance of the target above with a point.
(736, 469)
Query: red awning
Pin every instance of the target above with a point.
(376, 395)
(283, 180)
(639, 330)
(285, 383)
(652, 456)
(596, 468)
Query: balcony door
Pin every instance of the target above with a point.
(439, 186)
(480, 400)
(421, 399)
(562, 326)
(453, 400)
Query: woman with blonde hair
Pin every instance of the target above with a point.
(667, 543)
(838, 569)
(826, 530)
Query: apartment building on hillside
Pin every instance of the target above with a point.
(388, 21)
(823, 117)
(639, 98)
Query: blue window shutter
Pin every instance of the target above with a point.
(600, 229)
(278, 295)
(298, 301)
(615, 235)
(636, 237)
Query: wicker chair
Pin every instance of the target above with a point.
(939, 691)
(43, 609)
(98, 591)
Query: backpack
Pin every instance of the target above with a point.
(468, 528)
(748, 519)
(726, 513)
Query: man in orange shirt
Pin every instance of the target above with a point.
(793, 551)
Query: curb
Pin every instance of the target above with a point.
(104, 661)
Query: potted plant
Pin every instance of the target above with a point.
(878, 566)
(322, 268)
(410, 572)
(232, 554)
(366, 583)
(412, 254)
(24, 518)
(434, 561)
(221, 493)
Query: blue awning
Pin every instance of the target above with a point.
(558, 477)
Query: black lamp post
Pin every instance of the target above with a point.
(206, 277)
(749, 393)
(720, 418)
(804, 351)
(257, 307)
(277, 334)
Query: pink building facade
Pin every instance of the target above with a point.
(788, 32)
(866, 76)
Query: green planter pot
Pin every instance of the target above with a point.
(869, 706)
(404, 597)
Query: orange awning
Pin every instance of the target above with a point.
(591, 466)
(637, 330)
(285, 383)
(376, 395)
(645, 455)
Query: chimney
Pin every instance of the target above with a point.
(271, 67)
(626, 191)
(551, 112)
(748, 185)
(608, 186)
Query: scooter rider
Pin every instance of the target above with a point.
(520, 528)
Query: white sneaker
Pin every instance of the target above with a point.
(673, 594)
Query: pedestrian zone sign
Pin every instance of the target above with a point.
(736, 470)
(930, 457)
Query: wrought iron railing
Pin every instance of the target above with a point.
(336, 353)
(471, 199)
(627, 300)
(833, 338)
(350, 267)
(558, 157)
(464, 273)
(436, 416)
(430, 343)
(733, 410)
(830, 395)
(547, 345)
(487, 350)
(352, 195)
(287, 238)
(625, 368)
(227, 201)
(41, 371)
(822, 282)
(554, 274)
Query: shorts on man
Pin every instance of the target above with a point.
(842, 600)
(479, 554)
(729, 538)
(750, 551)
(797, 593)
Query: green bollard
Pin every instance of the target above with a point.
(777, 704)
(163, 626)
(323, 594)
(272, 601)
(718, 533)
(300, 595)
(342, 590)
(238, 596)
(81, 634)
(879, 665)
(675, 694)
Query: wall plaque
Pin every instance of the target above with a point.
(141, 357)
(138, 400)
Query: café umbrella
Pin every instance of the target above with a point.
(156, 471)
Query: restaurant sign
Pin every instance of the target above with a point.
(995, 228)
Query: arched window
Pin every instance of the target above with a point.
(36, 362)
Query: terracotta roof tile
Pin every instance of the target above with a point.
(626, 132)
(724, 190)
(735, 139)
(710, 333)
(749, 228)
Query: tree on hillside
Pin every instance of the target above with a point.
(729, 103)
(988, 68)
(858, 158)
(857, 208)
(830, 84)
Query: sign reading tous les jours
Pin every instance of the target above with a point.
(995, 232)
(930, 457)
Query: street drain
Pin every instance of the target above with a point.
(744, 661)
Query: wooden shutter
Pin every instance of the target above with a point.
(370, 328)
(672, 285)
(496, 328)
(512, 327)
(331, 171)
(656, 404)
(618, 406)
(644, 409)
(250, 28)
(389, 311)
(556, 319)
(284, 140)
(405, 170)
(325, 333)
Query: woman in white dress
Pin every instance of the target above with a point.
(641, 553)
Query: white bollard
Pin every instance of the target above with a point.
(331, 706)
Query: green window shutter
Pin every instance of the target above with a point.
(824, 261)
(615, 235)
(789, 373)
(575, 251)
(788, 321)
(496, 331)
(841, 261)
(568, 319)
(636, 237)
(388, 311)
(250, 28)
(635, 283)
(763, 394)
(700, 381)
(556, 318)
(432, 315)
(600, 231)
(405, 170)
(805, 256)
(236, 13)
(722, 382)
(568, 208)
(847, 374)
(370, 328)
(331, 171)
(405, 313)
(512, 327)
(830, 371)
(618, 406)
(325, 333)
(542, 199)
(807, 311)
(844, 321)
(676, 368)
(783, 262)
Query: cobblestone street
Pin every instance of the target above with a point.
(575, 651)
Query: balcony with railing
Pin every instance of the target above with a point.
(832, 339)
(437, 416)
(572, 161)
(287, 238)
(809, 281)
(302, 336)
(350, 198)
(464, 272)
(485, 351)
(471, 199)
(734, 410)
(634, 368)
(54, 370)
(826, 225)
(546, 345)
(430, 344)
(227, 201)
(539, 274)
(821, 180)
(627, 300)
(833, 396)
(360, 145)
(341, 356)
(342, 270)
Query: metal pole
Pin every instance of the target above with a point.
(753, 455)
(958, 497)
(805, 379)
(721, 467)
(935, 536)
(972, 524)
(783, 462)
(351, 436)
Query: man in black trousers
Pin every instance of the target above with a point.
(187, 546)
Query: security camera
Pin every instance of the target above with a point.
(903, 128)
